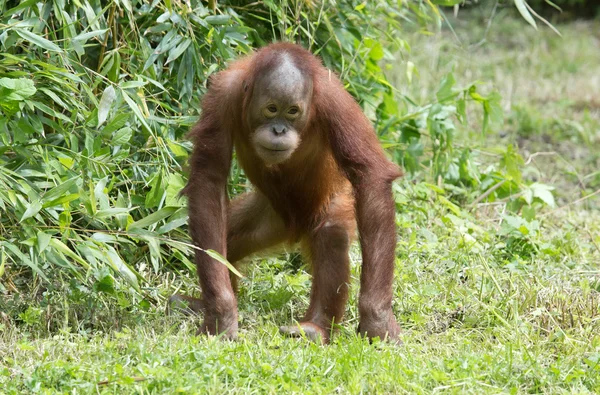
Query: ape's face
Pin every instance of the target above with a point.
(278, 112)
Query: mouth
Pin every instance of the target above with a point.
(274, 149)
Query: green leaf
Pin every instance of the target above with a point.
(115, 124)
(522, 8)
(16, 89)
(178, 50)
(56, 99)
(154, 249)
(513, 221)
(217, 19)
(105, 284)
(32, 210)
(61, 200)
(113, 72)
(177, 220)
(22, 258)
(494, 108)
(59, 190)
(2, 261)
(175, 184)
(544, 193)
(461, 110)
(67, 162)
(528, 213)
(108, 96)
(121, 267)
(451, 206)
(447, 3)
(86, 36)
(62, 247)
(376, 53)
(38, 40)
(43, 240)
(410, 70)
(136, 110)
(23, 5)
(122, 137)
(155, 195)
(218, 257)
(445, 91)
(176, 148)
(109, 212)
(528, 196)
(44, 108)
(153, 218)
(132, 84)
(127, 5)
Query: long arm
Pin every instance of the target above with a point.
(360, 156)
(207, 204)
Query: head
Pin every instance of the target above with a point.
(278, 109)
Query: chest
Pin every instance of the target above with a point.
(298, 190)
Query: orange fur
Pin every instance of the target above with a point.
(337, 179)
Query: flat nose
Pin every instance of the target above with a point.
(278, 130)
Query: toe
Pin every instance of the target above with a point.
(309, 330)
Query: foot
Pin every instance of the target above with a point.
(224, 327)
(214, 324)
(310, 330)
(184, 304)
(385, 328)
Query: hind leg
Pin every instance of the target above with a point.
(328, 246)
(253, 226)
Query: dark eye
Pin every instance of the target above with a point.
(293, 111)
(270, 111)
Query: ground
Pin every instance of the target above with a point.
(480, 314)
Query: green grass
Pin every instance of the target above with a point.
(484, 310)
